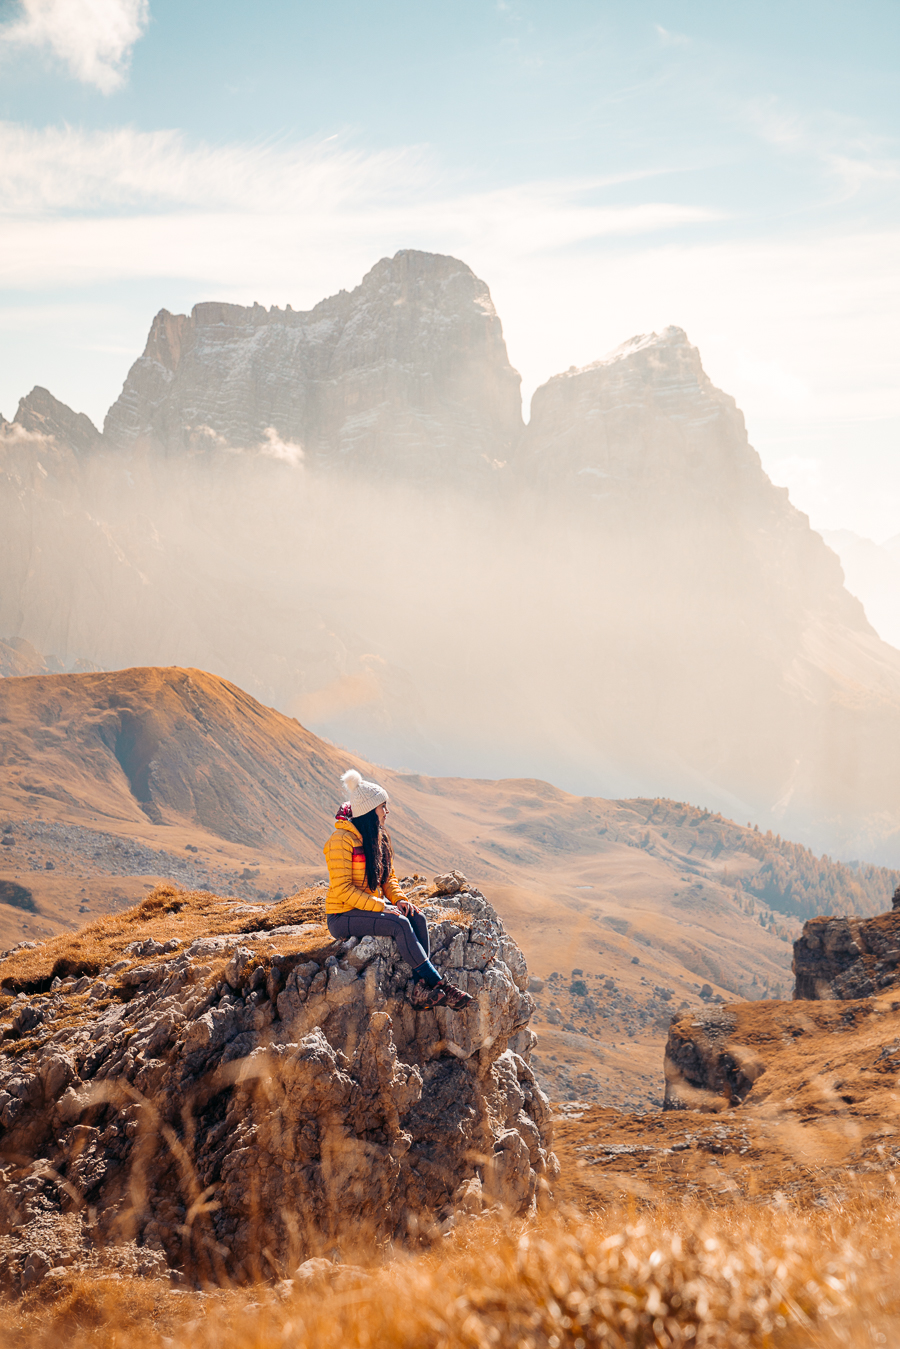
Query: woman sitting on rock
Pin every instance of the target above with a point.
(360, 871)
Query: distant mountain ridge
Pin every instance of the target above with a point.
(872, 571)
(342, 511)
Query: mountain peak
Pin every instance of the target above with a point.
(407, 375)
(45, 415)
(671, 336)
(671, 339)
(166, 337)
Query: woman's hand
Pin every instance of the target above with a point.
(406, 907)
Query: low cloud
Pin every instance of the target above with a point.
(288, 451)
(94, 38)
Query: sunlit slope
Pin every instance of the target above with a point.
(111, 781)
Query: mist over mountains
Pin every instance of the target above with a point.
(343, 512)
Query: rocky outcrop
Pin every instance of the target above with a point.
(233, 1105)
(848, 958)
(705, 1069)
(831, 1059)
(406, 376)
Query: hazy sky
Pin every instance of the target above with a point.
(607, 168)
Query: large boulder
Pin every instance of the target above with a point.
(249, 1100)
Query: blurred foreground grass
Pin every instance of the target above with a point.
(665, 1275)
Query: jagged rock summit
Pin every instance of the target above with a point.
(221, 1090)
(44, 415)
(406, 374)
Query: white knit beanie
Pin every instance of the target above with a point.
(364, 796)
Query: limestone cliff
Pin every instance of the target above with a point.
(644, 443)
(406, 376)
(229, 1104)
(732, 609)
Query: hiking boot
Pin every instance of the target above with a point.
(422, 998)
(451, 996)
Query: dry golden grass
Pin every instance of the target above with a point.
(667, 1276)
(165, 914)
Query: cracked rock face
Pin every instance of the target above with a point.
(848, 958)
(406, 374)
(228, 1109)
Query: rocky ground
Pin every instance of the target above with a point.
(206, 1090)
(86, 854)
(582, 1016)
(769, 1102)
(221, 1090)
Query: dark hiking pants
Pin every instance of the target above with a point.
(410, 934)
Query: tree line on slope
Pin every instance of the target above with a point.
(789, 877)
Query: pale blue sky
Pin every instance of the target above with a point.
(607, 168)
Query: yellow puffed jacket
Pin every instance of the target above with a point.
(348, 888)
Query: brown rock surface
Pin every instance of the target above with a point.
(232, 1103)
(818, 1058)
(848, 957)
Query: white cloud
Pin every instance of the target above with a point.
(670, 39)
(273, 447)
(844, 147)
(50, 172)
(66, 169)
(93, 37)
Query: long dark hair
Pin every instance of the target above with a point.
(377, 846)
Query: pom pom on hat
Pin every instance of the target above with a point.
(364, 796)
